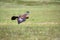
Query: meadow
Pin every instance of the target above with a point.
(43, 22)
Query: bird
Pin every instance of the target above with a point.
(21, 18)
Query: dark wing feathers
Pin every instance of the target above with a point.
(14, 17)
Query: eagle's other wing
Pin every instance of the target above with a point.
(14, 17)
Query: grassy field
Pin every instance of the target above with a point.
(43, 24)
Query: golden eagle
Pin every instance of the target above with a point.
(21, 18)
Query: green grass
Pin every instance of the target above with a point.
(43, 24)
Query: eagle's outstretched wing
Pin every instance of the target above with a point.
(14, 17)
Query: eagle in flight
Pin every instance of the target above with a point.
(21, 18)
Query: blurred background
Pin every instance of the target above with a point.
(43, 22)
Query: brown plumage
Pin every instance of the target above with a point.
(20, 18)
